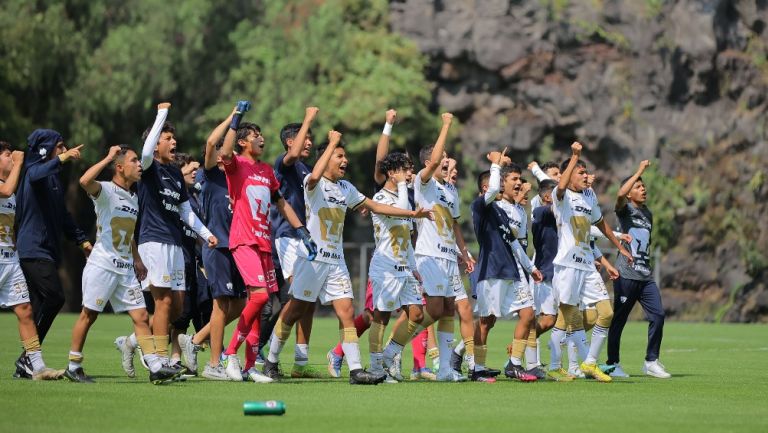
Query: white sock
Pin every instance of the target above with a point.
(573, 354)
(599, 335)
(538, 351)
(132, 342)
(301, 354)
(555, 352)
(444, 340)
(470, 361)
(36, 358)
(73, 365)
(480, 367)
(154, 362)
(352, 352)
(531, 357)
(275, 347)
(580, 339)
(459, 349)
(393, 349)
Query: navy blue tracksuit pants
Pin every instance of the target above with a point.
(625, 294)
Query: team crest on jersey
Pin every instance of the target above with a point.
(166, 278)
(99, 302)
(307, 292)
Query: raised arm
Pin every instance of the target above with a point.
(524, 188)
(621, 196)
(88, 179)
(437, 151)
(294, 152)
(537, 171)
(334, 137)
(216, 136)
(566, 176)
(228, 147)
(150, 143)
(382, 148)
(40, 171)
(12, 182)
(498, 159)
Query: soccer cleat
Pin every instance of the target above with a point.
(655, 369)
(481, 376)
(78, 376)
(450, 375)
(23, 367)
(233, 368)
(121, 344)
(617, 371)
(492, 372)
(576, 372)
(47, 374)
(591, 370)
(185, 373)
(334, 363)
(305, 372)
(560, 375)
(272, 370)
(215, 373)
(189, 352)
(538, 372)
(434, 355)
(257, 376)
(392, 368)
(424, 373)
(259, 360)
(606, 368)
(456, 361)
(513, 371)
(362, 377)
(163, 375)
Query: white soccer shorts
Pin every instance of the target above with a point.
(391, 293)
(571, 283)
(502, 298)
(319, 280)
(545, 298)
(287, 251)
(13, 285)
(101, 286)
(441, 277)
(165, 266)
(594, 290)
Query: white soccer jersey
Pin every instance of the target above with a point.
(518, 218)
(7, 216)
(327, 206)
(436, 238)
(575, 213)
(116, 211)
(394, 252)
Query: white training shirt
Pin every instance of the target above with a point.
(394, 251)
(436, 238)
(327, 207)
(7, 217)
(575, 214)
(116, 210)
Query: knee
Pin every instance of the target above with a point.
(656, 318)
(416, 315)
(88, 316)
(23, 312)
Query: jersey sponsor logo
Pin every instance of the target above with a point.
(582, 209)
(119, 264)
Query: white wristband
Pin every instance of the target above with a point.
(387, 129)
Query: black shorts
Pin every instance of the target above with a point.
(223, 277)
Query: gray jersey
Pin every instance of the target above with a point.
(637, 222)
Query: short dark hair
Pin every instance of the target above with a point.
(182, 159)
(626, 179)
(290, 131)
(395, 161)
(547, 165)
(124, 149)
(5, 146)
(546, 185)
(510, 168)
(167, 127)
(425, 153)
(324, 145)
(245, 129)
(564, 164)
(482, 178)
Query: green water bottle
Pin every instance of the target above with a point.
(270, 407)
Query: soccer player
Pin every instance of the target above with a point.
(253, 188)
(576, 209)
(393, 275)
(14, 293)
(636, 282)
(41, 217)
(291, 169)
(109, 272)
(224, 280)
(501, 288)
(164, 207)
(439, 247)
(549, 170)
(326, 278)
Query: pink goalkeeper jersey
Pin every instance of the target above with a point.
(251, 185)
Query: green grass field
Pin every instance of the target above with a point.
(719, 385)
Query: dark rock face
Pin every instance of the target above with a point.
(682, 82)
